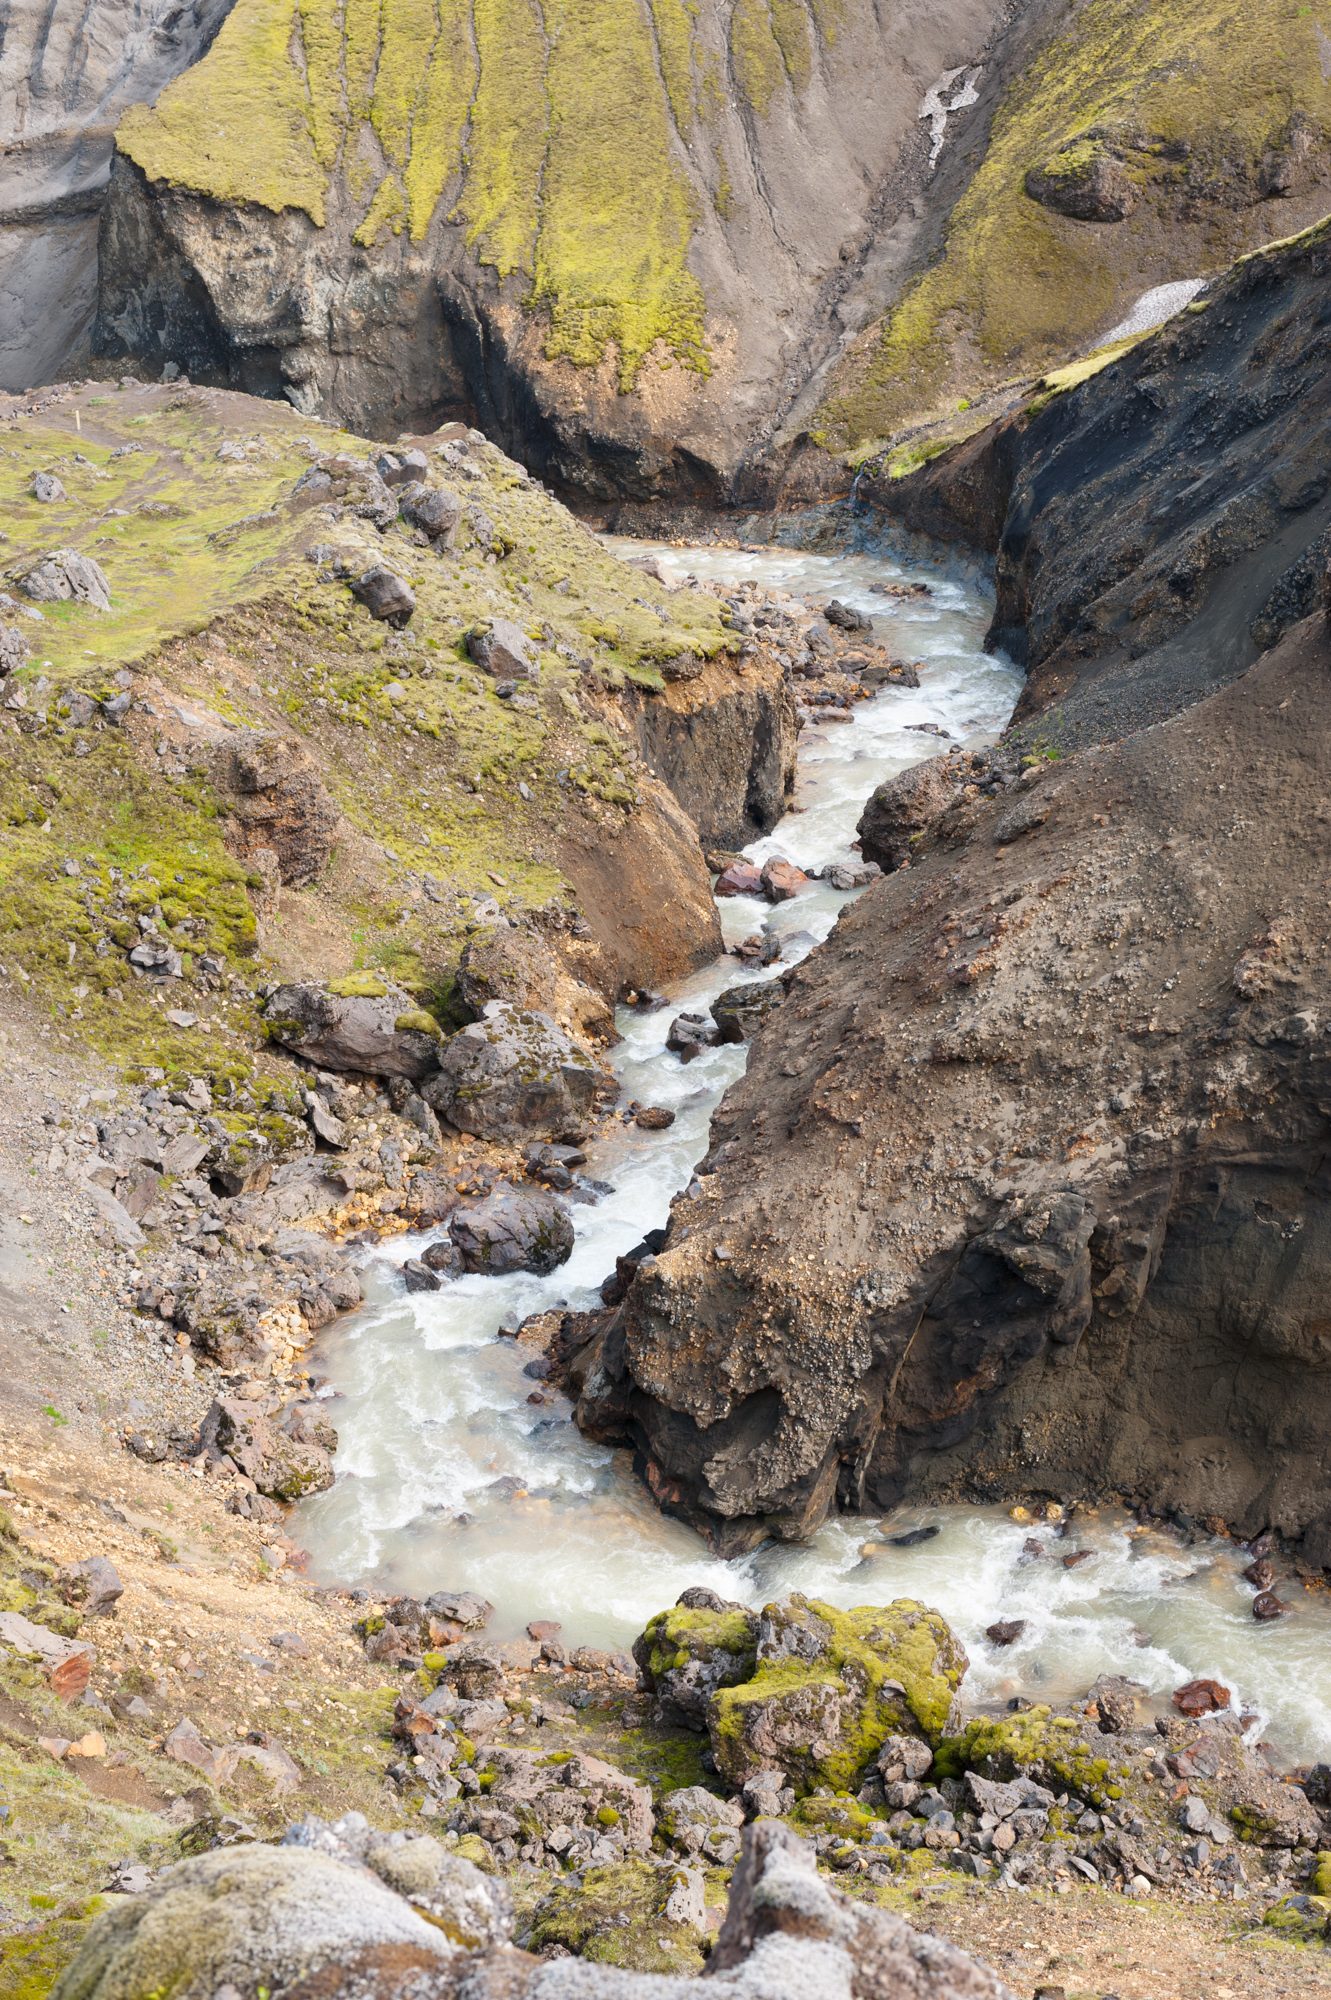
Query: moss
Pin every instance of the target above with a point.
(359, 986)
(31, 1960)
(615, 1916)
(472, 1848)
(388, 211)
(1049, 1747)
(1300, 1919)
(888, 1668)
(1189, 99)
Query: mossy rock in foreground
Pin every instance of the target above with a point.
(687, 1653)
(830, 1686)
(627, 1915)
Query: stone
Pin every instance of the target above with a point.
(501, 648)
(740, 1011)
(782, 880)
(386, 596)
(689, 1034)
(93, 1585)
(1266, 1606)
(368, 1027)
(419, 1276)
(653, 1118)
(513, 1075)
(46, 487)
(1005, 1631)
(738, 878)
(443, 1258)
(846, 618)
(435, 512)
(64, 577)
(513, 1229)
(1201, 1697)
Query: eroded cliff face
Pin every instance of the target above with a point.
(623, 235)
(66, 78)
(1025, 1188)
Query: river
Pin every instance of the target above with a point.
(448, 1477)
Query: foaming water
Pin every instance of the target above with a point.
(448, 1477)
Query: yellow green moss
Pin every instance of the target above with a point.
(388, 211)
(616, 1916)
(1052, 1748)
(895, 1666)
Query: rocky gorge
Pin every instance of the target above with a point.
(662, 1230)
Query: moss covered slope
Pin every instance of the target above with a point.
(551, 131)
(1146, 143)
(421, 788)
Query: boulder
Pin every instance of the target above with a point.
(740, 1011)
(696, 1821)
(739, 878)
(63, 577)
(514, 1074)
(46, 487)
(13, 649)
(781, 880)
(435, 512)
(501, 648)
(386, 596)
(513, 1229)
(686, 1654)
(93, 1586)
(830, 1687)
(286, 1455)
(689, 1034)
(905, 807)
(361, 1024)
(1084, 181)
(846, 618)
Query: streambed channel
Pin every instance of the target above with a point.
(449, 1478)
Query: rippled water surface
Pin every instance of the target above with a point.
(448, 1477)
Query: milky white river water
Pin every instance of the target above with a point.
(449, 1478)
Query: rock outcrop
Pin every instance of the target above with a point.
(65, 81)
(1023, 1190)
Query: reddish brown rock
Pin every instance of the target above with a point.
(741, 878)
(1201, 1697)
(781, 880)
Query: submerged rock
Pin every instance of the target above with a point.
(513, 1229)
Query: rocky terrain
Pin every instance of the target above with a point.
(65, 81)
(1021, 1192)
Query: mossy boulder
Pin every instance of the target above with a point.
(359, 1024)
(1060, 1751)
(639, 1915)
(513, 1229)
(514, 1075)
(1300, 1919)
(689, 1652)
(829, 1687)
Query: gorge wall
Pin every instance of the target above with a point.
(1024, 1190)
(66, 78)
(687, 250)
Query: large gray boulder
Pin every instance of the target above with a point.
(514, 1074)
(63, 576)
(320, 1918)
(367, 1027)
(513, 1229)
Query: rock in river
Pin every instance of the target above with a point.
(513, 1229)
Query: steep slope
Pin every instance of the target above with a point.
(620, 233)
(1024, 1189)
(66, 77)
